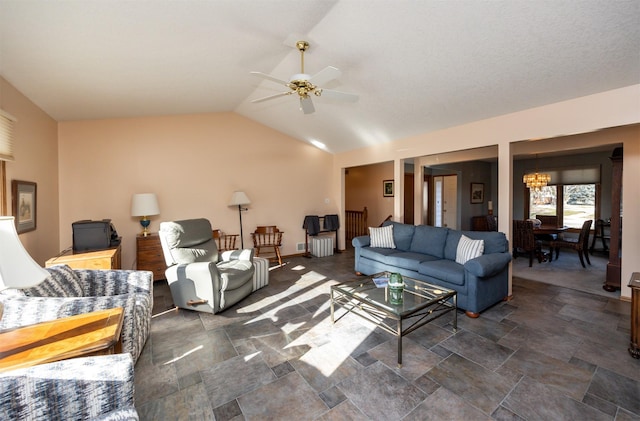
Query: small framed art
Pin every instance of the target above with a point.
(387, 188)
(477, 192)
(25, 209)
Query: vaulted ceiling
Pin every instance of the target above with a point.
(417, 66)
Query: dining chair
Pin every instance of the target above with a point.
(225, 241)
(524, 241)
(550, 221)
(581, 244)
(268, 237)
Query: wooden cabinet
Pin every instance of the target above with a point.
(634, 284)
(149, 255)
(99, 259)
(614, 267)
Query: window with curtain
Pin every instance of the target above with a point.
(7, 123)
(572, 196)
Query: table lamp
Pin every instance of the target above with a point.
(17, 268)
(239, 198)
(144, 205)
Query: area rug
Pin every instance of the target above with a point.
(567, 272)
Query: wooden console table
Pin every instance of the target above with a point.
(99, 259)
(94, 333)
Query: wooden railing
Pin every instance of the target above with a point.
(356, 224)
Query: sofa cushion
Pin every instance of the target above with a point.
(375, 253)
(468, 249)
(408, 260)
(445, 270)
(382, 237)
(429, 240)
(402, 234)
(494, 242)
(61, 282)
(234, 273)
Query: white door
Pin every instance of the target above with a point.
(445, 201)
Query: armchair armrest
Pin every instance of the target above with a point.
(23, 311)
(244, 254)
(114, 282)
(73, 389)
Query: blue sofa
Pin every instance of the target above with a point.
(429, 254)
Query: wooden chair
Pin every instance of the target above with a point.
(581, 245)
(550, 221)
(225, 241)
(484, 223)
(525, 242)
(268, 237)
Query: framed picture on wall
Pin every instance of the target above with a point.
(23, 194)
(387, 188)
(477, 192)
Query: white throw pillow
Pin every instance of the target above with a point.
(382, 237)
(468, 249)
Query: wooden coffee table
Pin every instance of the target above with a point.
(94, 333)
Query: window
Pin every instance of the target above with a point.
(543, 202)
(6, 154)
(573, 203)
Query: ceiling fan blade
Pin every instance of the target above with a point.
(306, 105)
(269, 77)
(342, 96)
(325, 75)
(266, 98)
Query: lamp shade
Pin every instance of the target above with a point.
(17, 268)
(144, 204)
(239, 198)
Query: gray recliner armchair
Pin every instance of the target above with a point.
(200, 278)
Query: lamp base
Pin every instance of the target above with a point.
(145, 222)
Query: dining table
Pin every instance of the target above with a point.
(548, 230)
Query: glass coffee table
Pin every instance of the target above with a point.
(421, 303)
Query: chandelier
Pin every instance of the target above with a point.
(536, 180)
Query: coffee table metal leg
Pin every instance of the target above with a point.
(455, 312)
(399, 333)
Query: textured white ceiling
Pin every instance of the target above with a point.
(418, 66)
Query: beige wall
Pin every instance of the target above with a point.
(36, 160)
(363, 187)
(587, 115)
(193, 163)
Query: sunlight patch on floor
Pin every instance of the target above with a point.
(198, 348)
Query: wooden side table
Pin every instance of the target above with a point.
(149, 255)
(100, 259)
(94, 333)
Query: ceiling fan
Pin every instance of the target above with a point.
(304, 85)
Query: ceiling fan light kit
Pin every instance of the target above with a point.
(304, 84)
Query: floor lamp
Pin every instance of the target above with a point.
(239, 199)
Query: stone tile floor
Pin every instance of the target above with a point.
(550, 353)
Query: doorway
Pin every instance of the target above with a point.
(445, 201)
